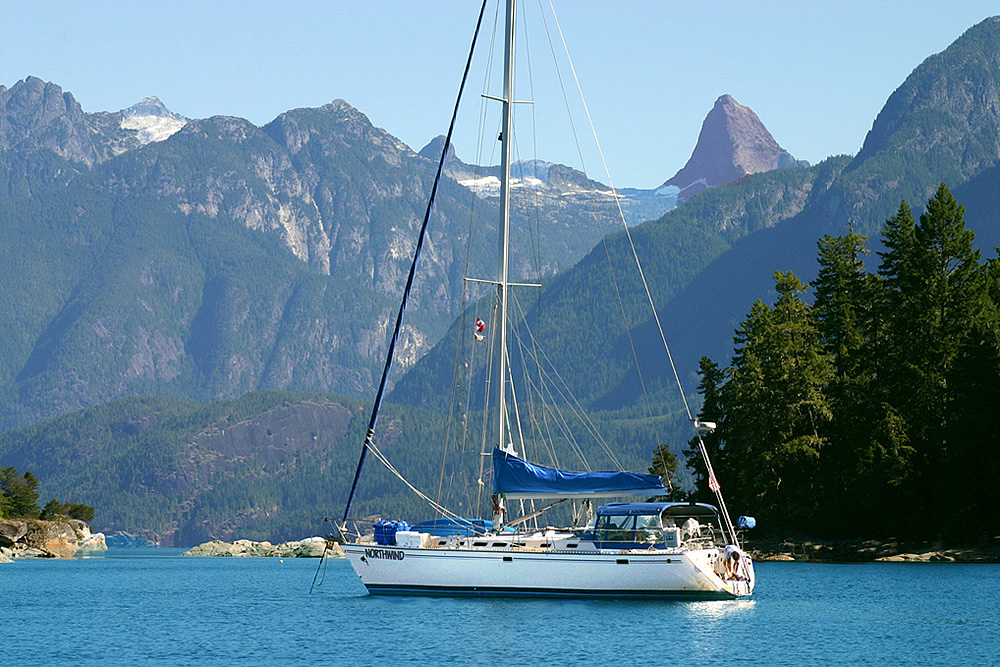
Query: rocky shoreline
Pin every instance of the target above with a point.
(310, 547)
(34, 538)
(865, 551)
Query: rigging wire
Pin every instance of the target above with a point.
(649, 296)
(373, 421)
(569, 399)
(621, 214)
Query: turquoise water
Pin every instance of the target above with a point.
(154, 607)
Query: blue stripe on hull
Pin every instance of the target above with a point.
(499, 591)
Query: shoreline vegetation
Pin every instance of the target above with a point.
(877, 394)
(59, 540)
(887, 550)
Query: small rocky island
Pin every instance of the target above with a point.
(34, 538)
(311, 547)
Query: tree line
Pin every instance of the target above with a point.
(19, 500)
(872, 410)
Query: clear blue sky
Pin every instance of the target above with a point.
(815, 73)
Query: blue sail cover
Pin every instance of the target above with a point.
(516, 478)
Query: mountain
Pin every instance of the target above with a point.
(709, 259)
(230, 257)
(733, 143)
(554, 187)
(224, 470)
(37, 116)
(152, 120)
(47, 140)
(941, 125)
(205, 258)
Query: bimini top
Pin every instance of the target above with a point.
(516, 478)
(643, 509)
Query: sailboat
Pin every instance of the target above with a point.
(629, 548)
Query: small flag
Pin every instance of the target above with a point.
(713, 484)
(480, 328)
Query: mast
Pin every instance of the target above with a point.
(503, 225)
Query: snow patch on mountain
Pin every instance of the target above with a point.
(151, 120)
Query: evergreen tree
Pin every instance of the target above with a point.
(20, 494)
(868, 457)
(934, 296)
(79, 511)
(845, 301)
(664, 464)
(52, 511)
(777, 409)
(972, 465)
(710, 388)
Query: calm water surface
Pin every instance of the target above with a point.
(135, 607)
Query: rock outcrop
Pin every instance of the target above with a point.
(732, 143)
(32, 538)
(311, 547)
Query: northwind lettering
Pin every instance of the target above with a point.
(385, 554)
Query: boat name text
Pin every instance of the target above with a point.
(386, 554)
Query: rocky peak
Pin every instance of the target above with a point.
(335, 125)
(37, 115)
(733, 142)
(342, 111)
(151, 106)
(432, 151)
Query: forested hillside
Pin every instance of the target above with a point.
(229, 257)
(268, 466)
(870, 411)
(708, 259)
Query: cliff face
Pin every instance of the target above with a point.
(32, 538)
(941, 125)
(207, 258)
(733, 142)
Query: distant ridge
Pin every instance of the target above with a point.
(733, 143)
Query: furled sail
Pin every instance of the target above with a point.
(516, 478)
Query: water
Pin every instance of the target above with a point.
(135, 607)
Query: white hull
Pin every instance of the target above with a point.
(686, 574)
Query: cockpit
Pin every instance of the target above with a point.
(657, 525)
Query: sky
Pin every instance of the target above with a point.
(816, 74)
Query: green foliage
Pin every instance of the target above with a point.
(52, 511)
(55, 511)
(664, 465)
(776, 409)
(710, 388)
(19, 494)
(852, 416)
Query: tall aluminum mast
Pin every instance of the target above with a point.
(504, 223)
